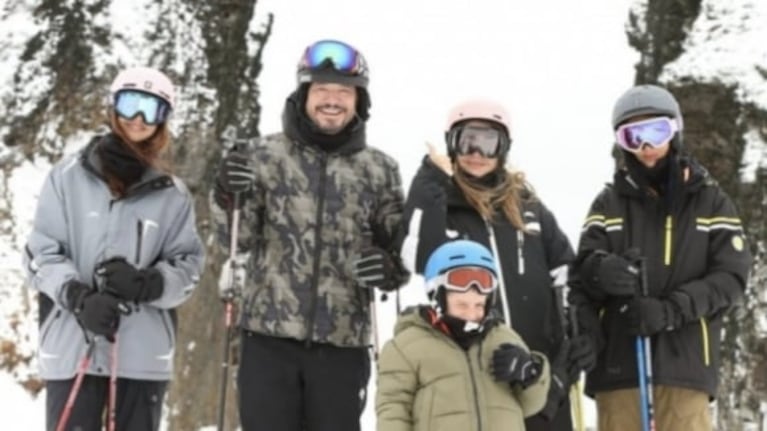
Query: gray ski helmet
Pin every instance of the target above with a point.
(646, 100)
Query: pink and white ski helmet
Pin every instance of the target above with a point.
(479, 109)
(144, 79)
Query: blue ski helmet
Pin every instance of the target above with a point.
(455, 254)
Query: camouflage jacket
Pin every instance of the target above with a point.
(309, 214)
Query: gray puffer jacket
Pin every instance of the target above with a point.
(79, 224)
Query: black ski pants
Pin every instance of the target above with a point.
(138, 404)
(284, 385)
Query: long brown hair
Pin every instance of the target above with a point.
(153, 152)
(507, 195)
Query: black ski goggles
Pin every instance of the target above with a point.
(486, 141)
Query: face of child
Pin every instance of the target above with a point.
(469, 305)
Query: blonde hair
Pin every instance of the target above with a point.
(152, 152)
(507, 195)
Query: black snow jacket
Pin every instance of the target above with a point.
(696, 251)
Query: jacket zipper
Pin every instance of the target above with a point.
(474, 389)
(502, 283)
(667, 247)
(317, 250)
(139, 240)
(520, 252)
(164, 318)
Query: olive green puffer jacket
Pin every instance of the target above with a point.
(427, 382)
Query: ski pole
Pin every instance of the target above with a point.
(577, 388)
(81, 369)
(644, 364)
(228, 311)
(374, 323)
(112, 405)
(502, 284)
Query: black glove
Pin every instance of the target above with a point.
(616, 275)
(647, 316)
(429, 196)
(235, 175)
(581, 356)
(514, 365)
(123, 280)
(374, 268)
(98, 312)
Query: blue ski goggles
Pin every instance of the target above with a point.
(130, 103)
(655, 132)
(341, 56)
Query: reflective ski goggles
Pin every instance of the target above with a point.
(654, 132)
(484, 140)
(463, 278)
(130, 103)
(344, 58)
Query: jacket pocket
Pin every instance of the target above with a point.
(62, 345)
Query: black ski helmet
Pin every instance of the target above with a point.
(648, 99)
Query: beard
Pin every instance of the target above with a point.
(331, 124)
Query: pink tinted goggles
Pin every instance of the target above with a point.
(655, 132)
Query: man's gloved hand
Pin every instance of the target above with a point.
(617, 275)
(514, 365)
(123, 280)
(235, 175)
(581, 356)
(374, 269)
(231, 282)
(98, 312)
(647, 316)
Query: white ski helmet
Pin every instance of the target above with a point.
(479, 109)
(145, 79)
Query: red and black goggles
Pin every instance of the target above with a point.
(464, 278)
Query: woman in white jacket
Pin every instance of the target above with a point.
(113, 251)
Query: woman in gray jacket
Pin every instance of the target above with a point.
(113, 251)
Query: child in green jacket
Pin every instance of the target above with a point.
(450, 365)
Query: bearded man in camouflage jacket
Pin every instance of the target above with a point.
(320, 214)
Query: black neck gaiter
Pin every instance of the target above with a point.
(119, 160)
(464, 333)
